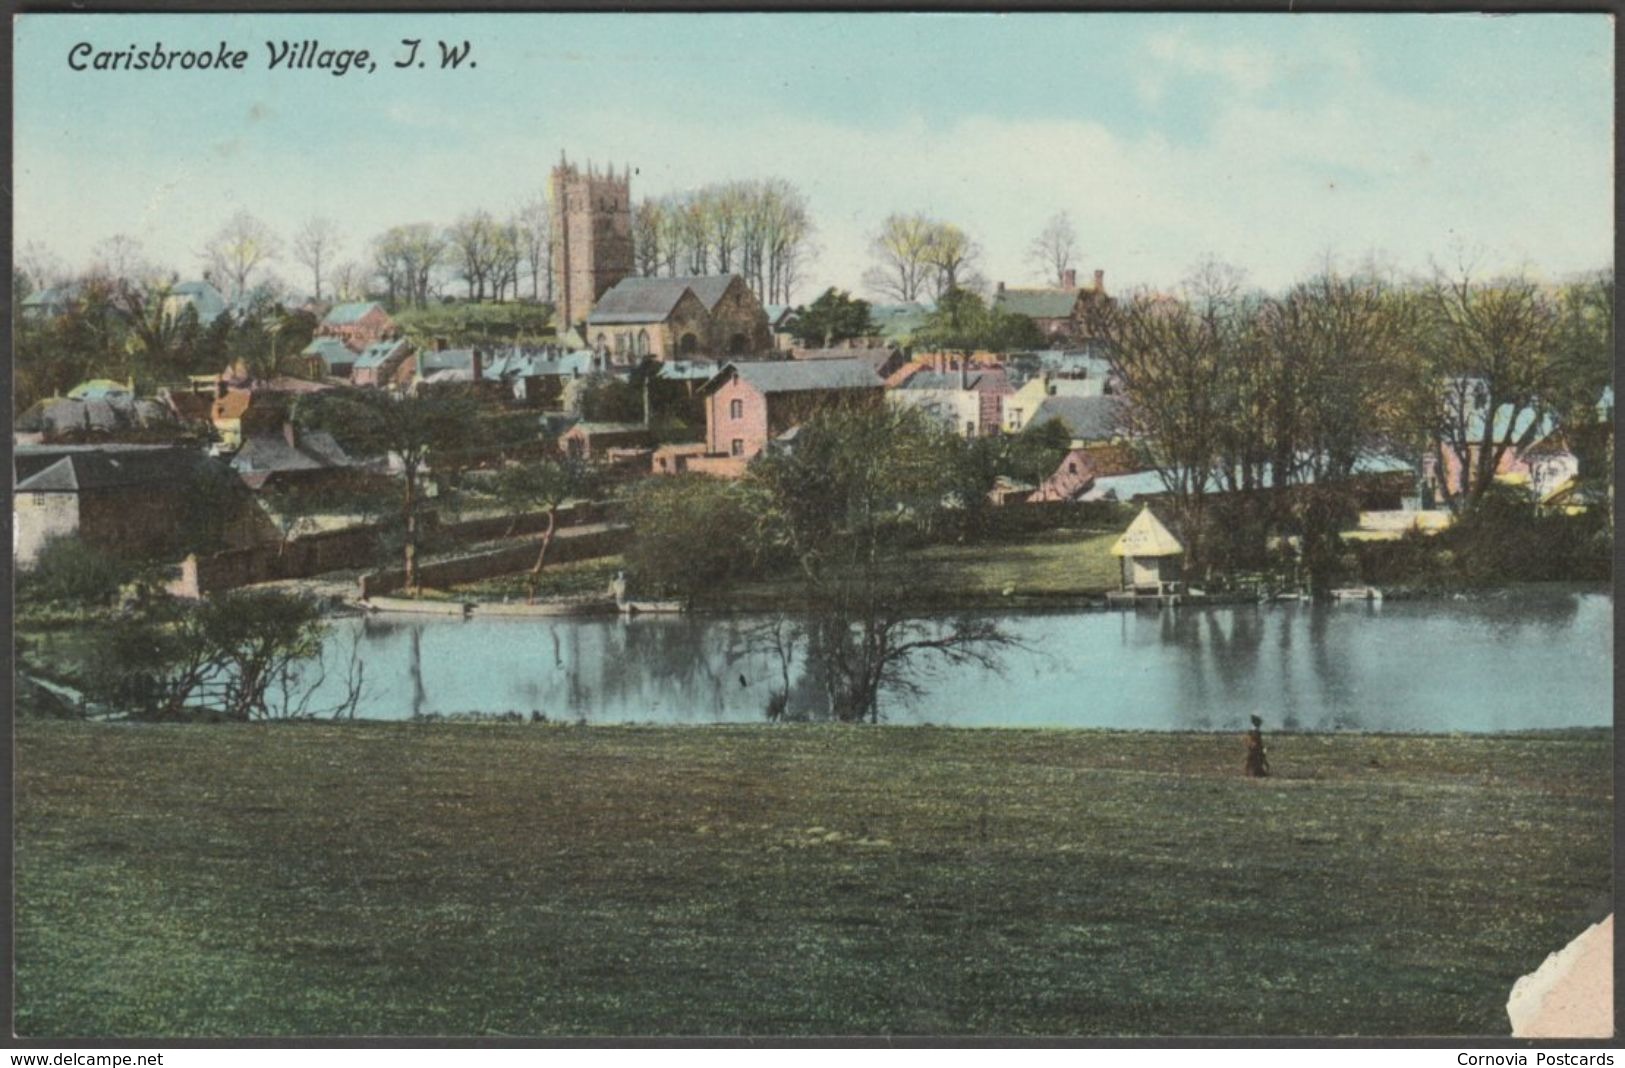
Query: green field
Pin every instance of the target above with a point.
(540, 880)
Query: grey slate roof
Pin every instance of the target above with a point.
(71, 470)
(204, 298)
(651, 300)
(345, 314)
(335, 352)
(794, 376)
(1038, 303)
(1089, 418)
(266, 453)
(639, 300)
(378, 353)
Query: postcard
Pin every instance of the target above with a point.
(549, 527)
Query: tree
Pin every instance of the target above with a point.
(547, 484)
(315, 245)
(862, 484)
(534, 222)
(648, 228)
(409, 430)
(962, 322)
(952, 256)
(902, 250)
(238, 249)
(692, 534)
(1494, 348)
(405, 257)
(834, 317)
(70, 571)
(1055, 247)
(121, 259)
(474, 240)
(239, 655)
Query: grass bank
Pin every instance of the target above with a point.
(430, 879)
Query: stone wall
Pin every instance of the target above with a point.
(568, 545)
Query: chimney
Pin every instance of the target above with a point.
(1100, 281)
(1069, 278)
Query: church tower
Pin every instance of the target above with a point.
(592, 243)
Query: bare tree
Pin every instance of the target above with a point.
(315, 245)
(43, 267)
(348, 281)
(121, 259)
(1055, 247)
(902, 250)
(534, 221)
(239, 248)
(405, 258)
(474, 239)
(647, 232)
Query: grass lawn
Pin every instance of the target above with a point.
(1047, 564)
(431, 879)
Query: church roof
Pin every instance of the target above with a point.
(652, 300)
(1146, 536)
(639, 300)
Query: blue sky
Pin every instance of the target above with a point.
(1266, 140)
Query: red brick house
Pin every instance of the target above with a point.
(358, 324)
(747, 404)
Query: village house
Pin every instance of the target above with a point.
(701, 315)
(358, 324)
(749, 403)
(205, 301)
(377, 364)
(328, 357)
(108, 419)
(1089, 420)
(1058, 312)
(292, 457)
(134, 501)
(1024, 403)
(780, 320)
(598, 441)
(965, 401)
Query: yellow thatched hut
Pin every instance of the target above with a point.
(1150, 555)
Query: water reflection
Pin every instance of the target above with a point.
(1472, 665)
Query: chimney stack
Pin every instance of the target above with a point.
(1100, 281)
(1069, 278)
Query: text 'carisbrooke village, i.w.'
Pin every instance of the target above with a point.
(306, 55)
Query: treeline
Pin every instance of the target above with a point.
(1276, 400)
(759, 230)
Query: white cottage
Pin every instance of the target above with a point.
(1149, 555)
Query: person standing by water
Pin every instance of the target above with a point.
(1258, 761)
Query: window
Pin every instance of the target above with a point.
(736, 409)
(643, 342)
(738, 447)
(38, 499)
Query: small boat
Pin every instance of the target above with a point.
(637, 608)
(415, 607)
(1357, 593)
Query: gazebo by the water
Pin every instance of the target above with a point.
(1149, 555)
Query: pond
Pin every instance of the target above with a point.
(1529, 658)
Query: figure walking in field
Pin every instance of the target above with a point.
(1258, 761)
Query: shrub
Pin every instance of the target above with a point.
(72, 572)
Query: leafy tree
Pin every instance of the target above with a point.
(240, 655)
(693, 534)
(962, 322)
(833, 317)
(861, 485)
(410, 430)
(546, 484)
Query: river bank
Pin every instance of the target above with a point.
(442, 879)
